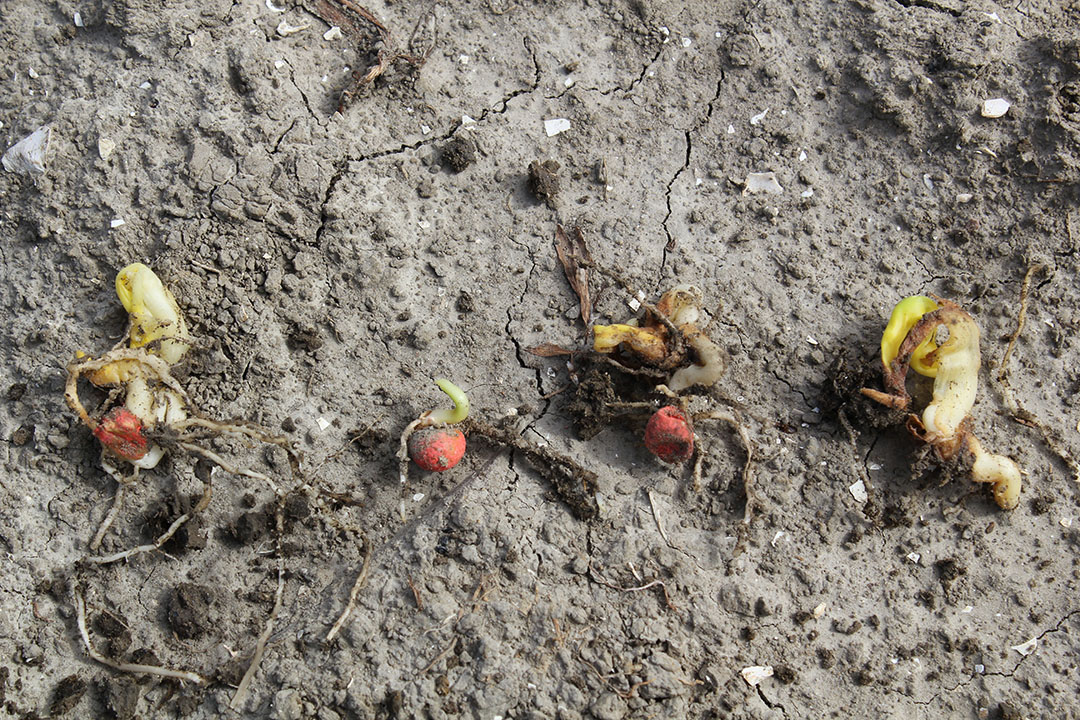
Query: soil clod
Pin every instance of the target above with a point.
(187, 610)
(67, 695)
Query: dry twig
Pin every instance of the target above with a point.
(1019, 413)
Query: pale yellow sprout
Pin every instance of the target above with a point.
(153, 312)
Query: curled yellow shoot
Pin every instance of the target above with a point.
(904, 316)
(647, 343)
(954, 365)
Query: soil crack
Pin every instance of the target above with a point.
(627, 89)
(770, 704)
(303, 95)
(930, 5)
(689, 133)
(499, 108)
(792, 388)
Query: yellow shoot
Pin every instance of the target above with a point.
(645, 342)
(153, 312)
(904, 316)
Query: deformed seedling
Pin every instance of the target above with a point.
(652, 366)
(912, 340)
(156, 413)
(666, 338)
(146, 415)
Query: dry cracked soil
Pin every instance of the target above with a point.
(335, 245)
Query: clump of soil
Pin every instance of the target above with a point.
(122, 697)
(459, 153)
(161, 515)
(544, 181)
(119, 637)
(67, 695)
(250, 526)
(187, 610)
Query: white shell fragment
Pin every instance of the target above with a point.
(322, 422)
(284, 29)
(761, 183)
(1026, 648)
(819, 610)
(78, 19)
(964, 197)
(272, 8)
(116, 222)
(332, 34)
(105, 147)
(858, 491)
(759, 117)
(555, 126)
(28, 155)
(995, 108)
(756, 673)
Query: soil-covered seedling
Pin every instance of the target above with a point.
(951, 357)
(646, 372)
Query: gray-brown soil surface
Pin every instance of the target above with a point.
(330, 264)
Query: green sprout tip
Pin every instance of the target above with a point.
(461, 404)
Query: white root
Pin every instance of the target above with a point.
(227, 466)
(135, 668)
(403, 446)
(118, 500)
(357, 585)
(161, 540)
(260, 645)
